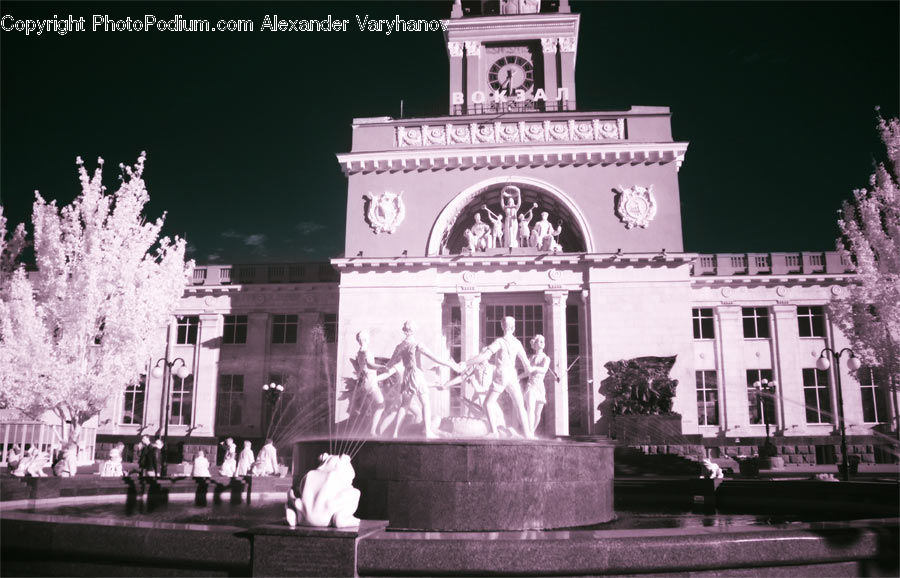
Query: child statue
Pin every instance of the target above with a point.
(200, 466)
(535, 391)
(229, 463)
(245, 461)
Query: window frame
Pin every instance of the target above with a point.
(234, 398)
(754, 315)
(233, 324)
(768, 404)
(288, 324)
(701, 380)
(822, 387)
(698, 318)
(187, 329)
(812, 313)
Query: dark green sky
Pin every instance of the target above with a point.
(776, 100)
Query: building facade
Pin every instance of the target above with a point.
(434, 235)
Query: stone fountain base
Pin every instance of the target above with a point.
(477, 485)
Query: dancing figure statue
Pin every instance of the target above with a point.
(496, 238)
(506, 350)
(326, 496)
(367, 393)
(414, 383)
(535, 390)
(524, 225)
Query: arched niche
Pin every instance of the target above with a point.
(447, 233)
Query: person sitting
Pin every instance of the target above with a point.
(32, 464)
(148, 463)
(245, 461)
(112, 468)
(13, 457)
(200, 468)
(266, 463)
(229, 464)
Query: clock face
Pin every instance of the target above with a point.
(511, 73)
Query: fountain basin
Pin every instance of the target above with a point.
(477, 485)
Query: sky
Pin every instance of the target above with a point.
(776, 99)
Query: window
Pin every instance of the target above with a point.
(574, 363)
(229, 400)
(187, 330)
(707, 398)
(756, 322)
(182, 400)
(811, 321)
(284, 329)
(329, 326)
(873, 400)
(235, 329)
(133, 411)
(454, 344)
(703, 323)
(764, 401)
(816, 396)
(529, 321)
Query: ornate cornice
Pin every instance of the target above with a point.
(525, 154)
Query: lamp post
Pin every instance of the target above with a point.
(853, 364)
(272, 391)
(165, 371)
(764, 385)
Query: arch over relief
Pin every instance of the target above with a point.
(446, 231)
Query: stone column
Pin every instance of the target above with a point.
(473, 73)
(567, 64)
(470, 303)
(787, 368)
(548, 46)
(555, 327)
(455, 49)
(731, 374)
(206, 374)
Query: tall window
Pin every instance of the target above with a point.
(707, 398)
(187, 329)
(133, 412)
(811, 321)
(529, 321)
(329, 326)
(574, 363)
(182, 400)
(816, 396)
(873, 400)
(229, 400)
(756, 322)
(284, 329)
(766, 401)
(703, 323)
(454, 344)
(235, 330)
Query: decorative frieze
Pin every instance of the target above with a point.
(547, 131)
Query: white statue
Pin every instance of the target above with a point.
(414, 383)
(520, 6)
(713, 471)
(368, 393)
(326, 496)
(200, 466)
(506, 350)
(112, 468)
(481, 232)
(266, 463)
(245, 460)
(495, 240)
(511, 200)
(471, 240)
(535, 390)
(229, 463)
(542, 235)
(524, 226)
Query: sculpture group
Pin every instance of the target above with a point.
(512, 229)
(376, 397)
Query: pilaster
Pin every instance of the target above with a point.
(455, 50)
(473, 72)
(471, 324)
(731, 376)
(206, 374)
(788, 367)
(548, 47)
(567, 47)
(555, 321)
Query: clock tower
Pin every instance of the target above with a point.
(511, 56)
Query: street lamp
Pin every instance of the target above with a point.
(166, 373)
(272, 391)
(764, 385)
(853, 364)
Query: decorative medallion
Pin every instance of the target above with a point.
(727, 292)
(209, 301)
(781, 290)
(468, 276)
(837, 291)
(554, 274)
(385, 212)
(636, 206)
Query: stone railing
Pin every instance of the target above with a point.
(522, 131)
(805, 263)
(263, 273)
